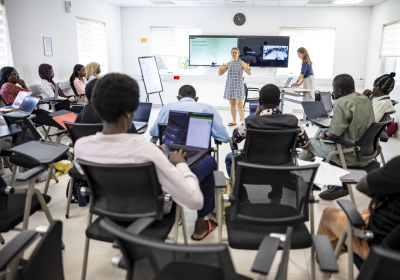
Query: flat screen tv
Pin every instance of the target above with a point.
(264, 51)
(206, 50)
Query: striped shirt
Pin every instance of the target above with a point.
(80, 85)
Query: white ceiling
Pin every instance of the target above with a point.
(226, 3)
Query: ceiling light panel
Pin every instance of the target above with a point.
(347, 2)
(265, 3)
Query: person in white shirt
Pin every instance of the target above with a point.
(115, 99)
(379, 95)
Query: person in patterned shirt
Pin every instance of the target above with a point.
(269, 100)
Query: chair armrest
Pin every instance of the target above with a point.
(139, 225)
(326, 257)
(383, 137)
(154, 139)
(17, 245)
(265, 255)
(219, 179)
(351, 212)
(216, 142)
(60, 132)
(233, 145)
(341, 142)
(32, 173)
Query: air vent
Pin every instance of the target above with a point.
(316, 2)
(161, 2)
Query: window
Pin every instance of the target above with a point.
(170, 46)
(92, 44)
(320, 44)
(390, 48)
(5, 46)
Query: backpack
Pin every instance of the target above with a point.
(392, 128)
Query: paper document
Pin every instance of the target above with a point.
(327, 174)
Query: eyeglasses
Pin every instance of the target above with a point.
(16, 74)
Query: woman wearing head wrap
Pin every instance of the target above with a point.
(379, 95)
(92, 71)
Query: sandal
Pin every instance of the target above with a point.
(210, 229)
(231, 124)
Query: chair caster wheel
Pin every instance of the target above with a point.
(57, 181)
(2, 243)
(67, 216)
(307, 125)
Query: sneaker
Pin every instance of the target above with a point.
(275, 200)
(334, 192)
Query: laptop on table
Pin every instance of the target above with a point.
(26, 108)
(190, 132)
(316, 113)
(287, 83)
(142, 115)
(55, 95)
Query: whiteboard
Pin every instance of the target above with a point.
(151, 77)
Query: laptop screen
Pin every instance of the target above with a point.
(189, 129)
(287, 83)
(253, 107)
(29, 104)
(142, 113)
(314, 109)
(326, 101)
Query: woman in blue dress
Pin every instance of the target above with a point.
(234, 89)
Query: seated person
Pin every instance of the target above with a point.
(46, 73)
(352, 116)
(88, 113)
(382, 215)
(187, 101)
(78, 81)
(379, 95)
(115, 98)
(9, 89)
(269, 99)
(92, 71)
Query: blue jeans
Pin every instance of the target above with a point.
(276, 189)
(204, 172)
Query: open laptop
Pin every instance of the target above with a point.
(190, 132)
(287, 83)
(326, 100)
(316, 113)
(142, 115)
(26, 108)
(55, 95)
(253, 107)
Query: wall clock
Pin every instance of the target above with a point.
(239, 19)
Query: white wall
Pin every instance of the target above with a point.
(383, 13)
(30, 20)
(351, 23)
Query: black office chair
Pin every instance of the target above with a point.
(45, 262)
(246, 92)
(269, 147)
(162, 129)
(125, 193)
(366, 149)
(247, 224)
(29, 133)
(76, 131)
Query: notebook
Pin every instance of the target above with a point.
(190, 132)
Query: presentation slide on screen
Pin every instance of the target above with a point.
(210, 51)
(151, 77)
(275, 52)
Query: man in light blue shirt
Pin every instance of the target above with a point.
(188, 102)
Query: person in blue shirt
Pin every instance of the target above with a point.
(306, 77)
(187, 101)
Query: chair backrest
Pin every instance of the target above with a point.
(369, 141)
(173, 260)
(297, 182)
(29, 132)
(78, 130)
(270, 147)
(124, 192)
(46, 260)
(381, 263)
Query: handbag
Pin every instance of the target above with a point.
(392, 128)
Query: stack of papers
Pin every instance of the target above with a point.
(327, 174)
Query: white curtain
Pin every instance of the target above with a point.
(390, 45)
(6, 58)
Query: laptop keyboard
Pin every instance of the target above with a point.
(190, 153)
(17, 114)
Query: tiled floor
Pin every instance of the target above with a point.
(100, 267)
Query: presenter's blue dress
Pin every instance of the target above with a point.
(234, 88)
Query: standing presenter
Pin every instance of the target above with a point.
(234, 89)
(306, 77)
